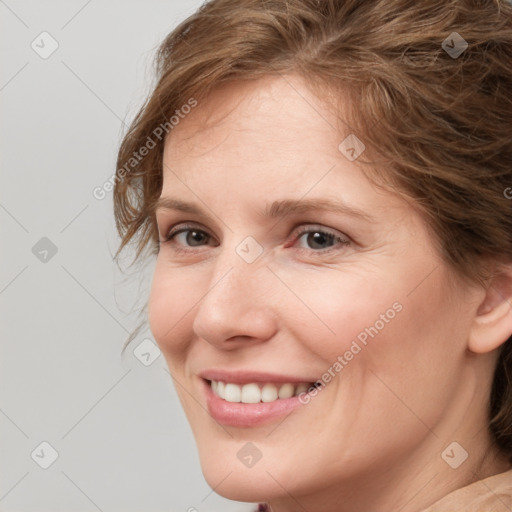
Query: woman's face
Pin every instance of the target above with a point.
(298, 295)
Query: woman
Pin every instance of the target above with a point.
(324, 186)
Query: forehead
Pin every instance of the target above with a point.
(278, 112)
(270, 137)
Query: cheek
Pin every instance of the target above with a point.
(413, 365)
(170, 302)
(329, 310)
(380, 329)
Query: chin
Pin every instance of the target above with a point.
(233, 481)
(240, 486)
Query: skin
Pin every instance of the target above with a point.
(372, 438)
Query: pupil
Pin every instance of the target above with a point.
(193, 235)
(317, 238)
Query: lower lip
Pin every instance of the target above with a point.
(238, 414)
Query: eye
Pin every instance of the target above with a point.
(186, 235)
(319, 240)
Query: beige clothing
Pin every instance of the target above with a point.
(492, 494)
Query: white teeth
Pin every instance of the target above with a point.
(286, 391)
(269, 393)
(232, 393)
(253, 394)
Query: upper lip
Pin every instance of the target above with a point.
(246, 377)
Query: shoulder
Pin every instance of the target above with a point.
(491, 494)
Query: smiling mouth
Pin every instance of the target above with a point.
(254, 393)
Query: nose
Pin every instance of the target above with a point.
(237, 306)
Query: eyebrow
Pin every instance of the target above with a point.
(277, 209)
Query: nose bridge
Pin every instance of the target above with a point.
(239, 270)
(235, 302)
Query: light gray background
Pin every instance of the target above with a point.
(122, 439)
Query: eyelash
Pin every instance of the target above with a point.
(302, 230)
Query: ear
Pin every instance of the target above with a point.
(492, 325)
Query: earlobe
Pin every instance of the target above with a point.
(492, 325)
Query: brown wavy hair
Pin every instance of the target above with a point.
(436, 126)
